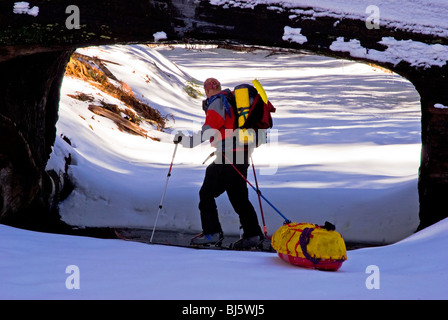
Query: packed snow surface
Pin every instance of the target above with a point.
(48, 266)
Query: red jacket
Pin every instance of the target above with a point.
(219, 121)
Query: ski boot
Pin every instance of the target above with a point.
(251, 243)
(207, 240)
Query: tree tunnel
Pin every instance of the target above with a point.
(37, 39)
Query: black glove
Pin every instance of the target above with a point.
(178, 137)
(185, 141)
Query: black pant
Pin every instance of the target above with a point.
(220, 178)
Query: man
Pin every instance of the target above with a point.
(221, 176)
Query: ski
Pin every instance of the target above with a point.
(263, 246)
(182, 240)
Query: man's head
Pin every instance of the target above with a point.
(212, 87)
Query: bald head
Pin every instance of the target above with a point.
(212, 87)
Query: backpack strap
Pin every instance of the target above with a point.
(304, 239)
(224, 102)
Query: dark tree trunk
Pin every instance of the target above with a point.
(29, 100)
(433, 174)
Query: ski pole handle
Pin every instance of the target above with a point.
(178, 138)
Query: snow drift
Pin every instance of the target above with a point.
(40, 266)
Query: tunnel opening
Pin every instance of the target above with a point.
(338, 127)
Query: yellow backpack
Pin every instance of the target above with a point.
(253, 113)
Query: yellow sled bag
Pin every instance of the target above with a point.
(310, 245)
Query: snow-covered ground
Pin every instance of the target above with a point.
(48, 266)
(345, 145)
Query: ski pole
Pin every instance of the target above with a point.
(258, 191)
(164, 189)
(265, 229)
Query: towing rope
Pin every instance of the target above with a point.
(258, 191)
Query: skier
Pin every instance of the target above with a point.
(221, 176)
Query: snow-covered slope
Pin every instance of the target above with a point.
(43, 266)
(344, 148)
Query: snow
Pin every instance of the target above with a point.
(161, 35)
(440, 106)
(24, 8)
(294, 35)
(415, 16)
(40, 266)
(416, 53)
